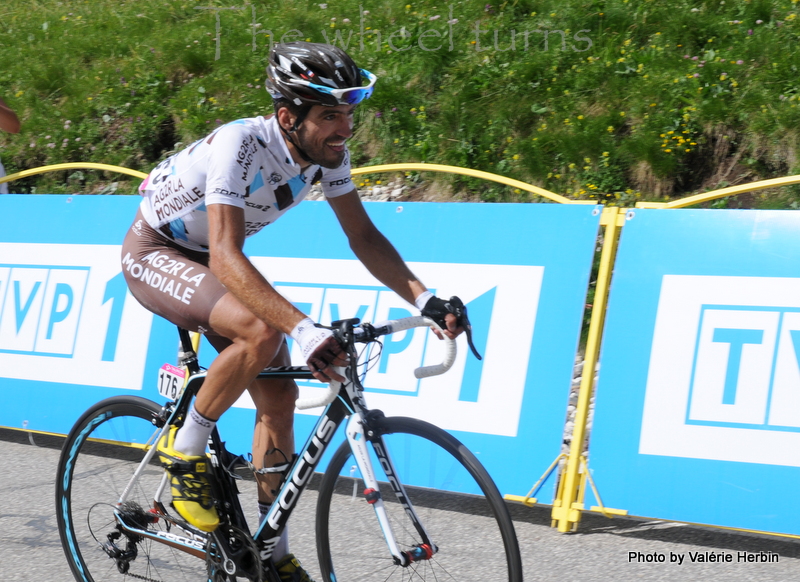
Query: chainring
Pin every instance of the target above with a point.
(239, 547)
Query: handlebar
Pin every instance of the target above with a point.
(366, 333)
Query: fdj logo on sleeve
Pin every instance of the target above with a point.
(724, 376)
(70, 323)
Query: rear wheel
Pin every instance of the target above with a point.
(453, 495)
(98, 460)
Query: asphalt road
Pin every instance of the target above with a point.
(602, 550)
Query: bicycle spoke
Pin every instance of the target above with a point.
(98, 462)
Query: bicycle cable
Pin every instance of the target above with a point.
(372, 359)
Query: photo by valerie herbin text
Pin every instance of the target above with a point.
(703, 557)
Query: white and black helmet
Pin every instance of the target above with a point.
(307, 73)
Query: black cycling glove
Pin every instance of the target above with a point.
(436, 309)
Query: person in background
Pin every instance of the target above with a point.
(8, 122)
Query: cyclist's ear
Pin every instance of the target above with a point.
(286, 118)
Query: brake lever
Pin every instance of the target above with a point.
(344, 332)
(460, 311)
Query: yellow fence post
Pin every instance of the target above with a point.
(567, 506)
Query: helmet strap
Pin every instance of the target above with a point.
(290, 134)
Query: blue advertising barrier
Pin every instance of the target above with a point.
(697, 413)
(70, 334)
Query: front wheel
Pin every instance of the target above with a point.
(98, 461)
(453, 495)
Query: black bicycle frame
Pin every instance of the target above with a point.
(297, 477)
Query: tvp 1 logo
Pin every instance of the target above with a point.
(724, 375)
(66, 317)
(476, 396)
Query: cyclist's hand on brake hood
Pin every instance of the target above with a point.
(442, 312)
(320, 350)
(451, 315)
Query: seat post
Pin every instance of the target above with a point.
(187, 356)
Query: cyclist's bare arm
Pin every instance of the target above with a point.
(379, 255)
(229, 263)
(234, 270)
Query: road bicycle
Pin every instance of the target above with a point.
(427, 511)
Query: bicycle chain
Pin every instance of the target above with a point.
(138, 577)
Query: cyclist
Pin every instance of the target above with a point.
(183, 260)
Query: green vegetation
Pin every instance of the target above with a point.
(614, 100)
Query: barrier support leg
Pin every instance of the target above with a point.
(529, 499)
(567, 506)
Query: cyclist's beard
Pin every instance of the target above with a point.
(317, 150)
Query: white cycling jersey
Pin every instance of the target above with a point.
(245, 163)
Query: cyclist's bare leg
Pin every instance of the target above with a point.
(273, 435)
(253, 346)
(273, 438)
(274, 400)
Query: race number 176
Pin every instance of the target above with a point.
(170, 381)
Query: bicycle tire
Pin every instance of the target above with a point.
(476, 544)
(97, 461)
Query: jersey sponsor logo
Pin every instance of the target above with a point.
(230, 193)
(274, 178)
(250, 228)
(173, 197)
(70, 323)
(491, 389)
(340, 182)
(262, 207)
(244, 157)
(724, 375)
(170, 276)
(137, 228)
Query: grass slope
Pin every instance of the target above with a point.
(615, 100)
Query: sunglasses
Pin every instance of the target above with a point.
(349, 95)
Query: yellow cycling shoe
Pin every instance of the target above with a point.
(290, 570)
(190, 487)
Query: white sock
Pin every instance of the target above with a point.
(282, 547)
(193, 435)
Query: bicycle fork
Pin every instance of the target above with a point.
(360, 431)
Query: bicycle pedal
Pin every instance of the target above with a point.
(270, 573)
